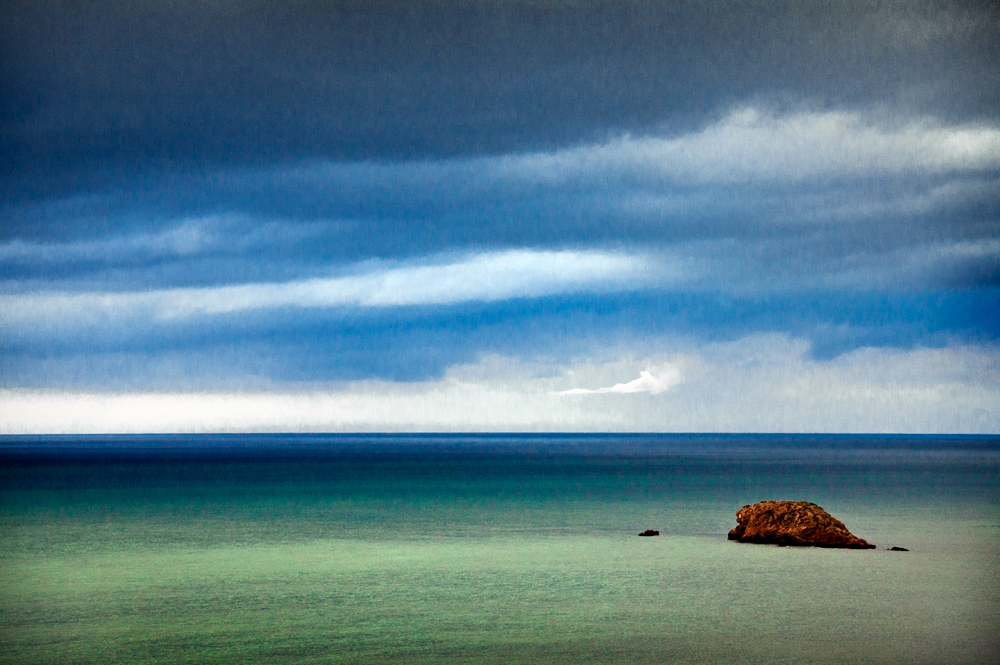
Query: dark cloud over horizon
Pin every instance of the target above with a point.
(93, 90)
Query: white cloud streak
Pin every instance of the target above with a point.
(187, 237)
(484, 277)
(748, 145)
(751, 146)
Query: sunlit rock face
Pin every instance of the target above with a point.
(793, 523)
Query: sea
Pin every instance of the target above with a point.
(493, 549)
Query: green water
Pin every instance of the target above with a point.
(512, 559)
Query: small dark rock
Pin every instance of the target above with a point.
(649, 532)
(898, 549)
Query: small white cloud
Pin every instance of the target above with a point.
(664, 379)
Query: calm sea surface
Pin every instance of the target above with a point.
(495, 549)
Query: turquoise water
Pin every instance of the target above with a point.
(492, 549)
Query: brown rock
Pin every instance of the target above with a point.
(793, 523)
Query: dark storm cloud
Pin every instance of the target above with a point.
(242, 195)
(95, 90)
(754, 202)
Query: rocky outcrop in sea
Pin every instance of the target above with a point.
(798, 523)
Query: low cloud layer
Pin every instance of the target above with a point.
(760, 384)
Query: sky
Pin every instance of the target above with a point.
(459, 215)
